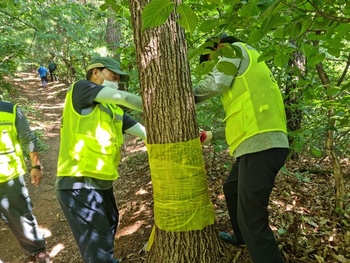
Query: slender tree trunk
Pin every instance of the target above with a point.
(338, 174)
(169, 113)
(293, 95)
(112, 34)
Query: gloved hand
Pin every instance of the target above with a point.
(205, 136)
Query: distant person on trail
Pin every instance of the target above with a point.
(52, 68)
(15, 204)
(43, 75)
(256, 133)
(90, 141)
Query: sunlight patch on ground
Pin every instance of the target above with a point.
(129, 230)
(142, 209)
(56, 249)
(141, 191)
(45, 231)
(136, 149)
(221, 196)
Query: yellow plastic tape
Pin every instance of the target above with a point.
(180, 187)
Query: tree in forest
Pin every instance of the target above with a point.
(184, 228)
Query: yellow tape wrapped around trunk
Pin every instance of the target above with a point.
(180, 187)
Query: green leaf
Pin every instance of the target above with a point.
(208, 25)
(250, 9)
(256, 36)
(296, 30)
(315, 58)
(104, 6)
(205, 67)
(188, 18)
(281, 231)
(156, 13)
(227, 68)
(273, 22)
(330, 30)
(333, 91)
(343, 29)
(306, 22)
(267, 55)
(316, 151)
(279, 33)
(281, 60)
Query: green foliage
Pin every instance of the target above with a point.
(72, 33)
(43, 147)
(156, 13)
(188, 18)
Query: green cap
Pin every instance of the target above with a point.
(111, 64)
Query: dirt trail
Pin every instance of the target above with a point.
(44, 115)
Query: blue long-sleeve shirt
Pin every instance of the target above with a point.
(42, 71)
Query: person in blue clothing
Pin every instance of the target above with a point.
(43, 72)
(256, 133)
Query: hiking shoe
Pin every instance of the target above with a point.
(43, 257)
(231, 239)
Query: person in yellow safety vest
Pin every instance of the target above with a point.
(257, 137)
(91, 137)
(15, 204)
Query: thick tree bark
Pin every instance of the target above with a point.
(191, 246)
(169, 113)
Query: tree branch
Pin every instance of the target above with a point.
(345, 71)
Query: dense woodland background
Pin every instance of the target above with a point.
(305, 43)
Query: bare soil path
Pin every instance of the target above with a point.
(300, 208)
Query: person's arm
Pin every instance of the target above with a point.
(119, 97)
(29, 143)
(215, 83)
(138, 130)
(133, 127)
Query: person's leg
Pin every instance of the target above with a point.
(45, 81)
(257, 172)
(16, 211)
(230, 188)
(42, 82)
(93, 219)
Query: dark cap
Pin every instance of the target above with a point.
(111, 64)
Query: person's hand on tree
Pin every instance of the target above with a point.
(205, 136)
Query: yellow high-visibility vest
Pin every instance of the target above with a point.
(90, 144)
(11, 156)
(253, 104)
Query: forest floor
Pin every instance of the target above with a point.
(301, 205)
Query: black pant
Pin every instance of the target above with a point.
(93, 219)
(52, 75)
(247, 191)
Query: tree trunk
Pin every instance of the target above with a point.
(293, 113)
(174, 149)
(112, 35)
(191, 246)
(338, 174)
